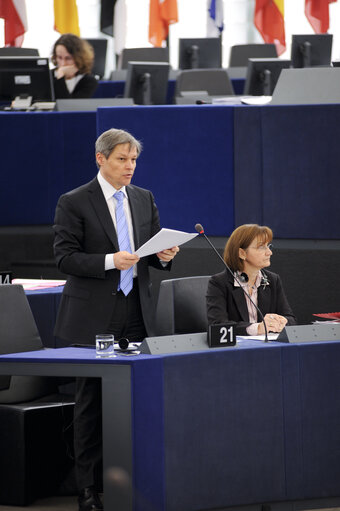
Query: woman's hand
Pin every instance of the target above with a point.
(66, 72)
(274, 323)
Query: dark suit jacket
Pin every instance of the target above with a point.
(85, 88)
(84, 234)
(225, 302)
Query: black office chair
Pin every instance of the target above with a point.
(215, 82)
(13, 51)
(240, 53)
(34, 459)
(181, 306)
(142, 55)
(99, 46)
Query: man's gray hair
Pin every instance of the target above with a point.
(108, 140)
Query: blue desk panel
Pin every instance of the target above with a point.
(289, 156)
(217, 165)
(319, 370)
(42, 156)
(187, 161)
(252, 424)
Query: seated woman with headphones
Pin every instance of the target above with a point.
(247, 253)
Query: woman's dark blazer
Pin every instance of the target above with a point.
(85, 88)
(226, 302)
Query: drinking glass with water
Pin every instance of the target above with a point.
(105, 346)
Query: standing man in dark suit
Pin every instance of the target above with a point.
(108, 286)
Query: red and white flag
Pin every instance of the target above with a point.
(14, 14)
(317, 13)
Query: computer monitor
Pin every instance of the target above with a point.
(311, 50)
(262, 75)
(200, 53)
(99, 46)
(25, 76)
(147, 82)
(16, 51)
(142, 55)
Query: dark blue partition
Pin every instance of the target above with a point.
(235, 413)
(248, 165)
(187, 161)
(301, 178)
(42, 156)
(319, 368)
(218, 165)
(290, 155)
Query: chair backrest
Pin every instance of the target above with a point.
(14, 51)
(215, 81)
(142, 55)
(19, 333)
(240, 53)
(99, 46)
(181, 306)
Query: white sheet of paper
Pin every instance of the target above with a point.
(165, 238)
(271, 337)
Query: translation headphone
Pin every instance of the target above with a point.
(243, 277)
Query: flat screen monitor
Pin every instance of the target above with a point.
(100, 48)
(147, 82)
(263, 74)
(142, 55)
(14, 51)
(311, 50)
(200, 53)
(25, 76)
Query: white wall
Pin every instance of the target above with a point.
(238, 17)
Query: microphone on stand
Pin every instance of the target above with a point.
(200, 230)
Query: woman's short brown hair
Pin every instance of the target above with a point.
(81, 51)
(242, 237)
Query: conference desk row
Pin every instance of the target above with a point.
(115, 89)
(251, 424)
(220, 165)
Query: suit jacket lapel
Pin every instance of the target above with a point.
(239, 299)
(98, 202)
(133, 203)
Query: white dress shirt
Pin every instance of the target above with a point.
(109, 191)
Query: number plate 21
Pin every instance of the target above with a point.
(221, 335)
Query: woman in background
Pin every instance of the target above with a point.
(247, 253)
(73, 58)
